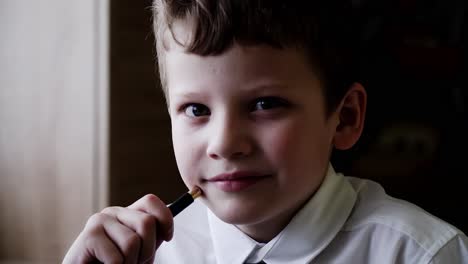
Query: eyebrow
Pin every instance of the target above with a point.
(251, 89)
(188, 95)
(267, 87)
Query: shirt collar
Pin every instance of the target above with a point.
(236, 249)
(306, 235)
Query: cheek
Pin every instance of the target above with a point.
(297, 147)
(185, 155)
(282, 143)
(283, 140)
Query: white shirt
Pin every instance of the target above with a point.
(348, 220)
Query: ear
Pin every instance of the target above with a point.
(351, 112)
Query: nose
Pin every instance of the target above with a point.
(230, 138)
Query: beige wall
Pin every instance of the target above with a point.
(53, 122)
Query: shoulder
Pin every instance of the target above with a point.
(392, 219)
(191, 237)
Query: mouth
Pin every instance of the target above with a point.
(237, 181)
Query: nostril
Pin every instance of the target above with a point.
(229, 144)
(213, 156)
(235, 152)
(235, 155)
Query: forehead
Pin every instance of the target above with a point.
(258, 59)
(236, 66)
(239, 66)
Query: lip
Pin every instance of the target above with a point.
(237, 181)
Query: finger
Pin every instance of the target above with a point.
(152, 205)
(127, 241)
(104, 250)
(96, 243)
(142, 223)
(91, 249)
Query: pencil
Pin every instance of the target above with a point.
(184, 201)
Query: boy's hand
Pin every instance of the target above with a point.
(123, 235)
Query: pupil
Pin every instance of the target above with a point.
(265, 104)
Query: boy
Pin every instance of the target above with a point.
(259, 93)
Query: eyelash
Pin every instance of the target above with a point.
(193, 105)
(271, 103)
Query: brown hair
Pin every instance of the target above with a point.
(322, 28)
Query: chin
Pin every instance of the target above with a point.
(238, 214)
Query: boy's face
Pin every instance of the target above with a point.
(249, 128)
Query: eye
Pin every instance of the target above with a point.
(196, 110)
(266, 103)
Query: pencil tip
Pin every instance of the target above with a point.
(195, 192)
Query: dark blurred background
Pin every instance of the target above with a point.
(413, 65)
